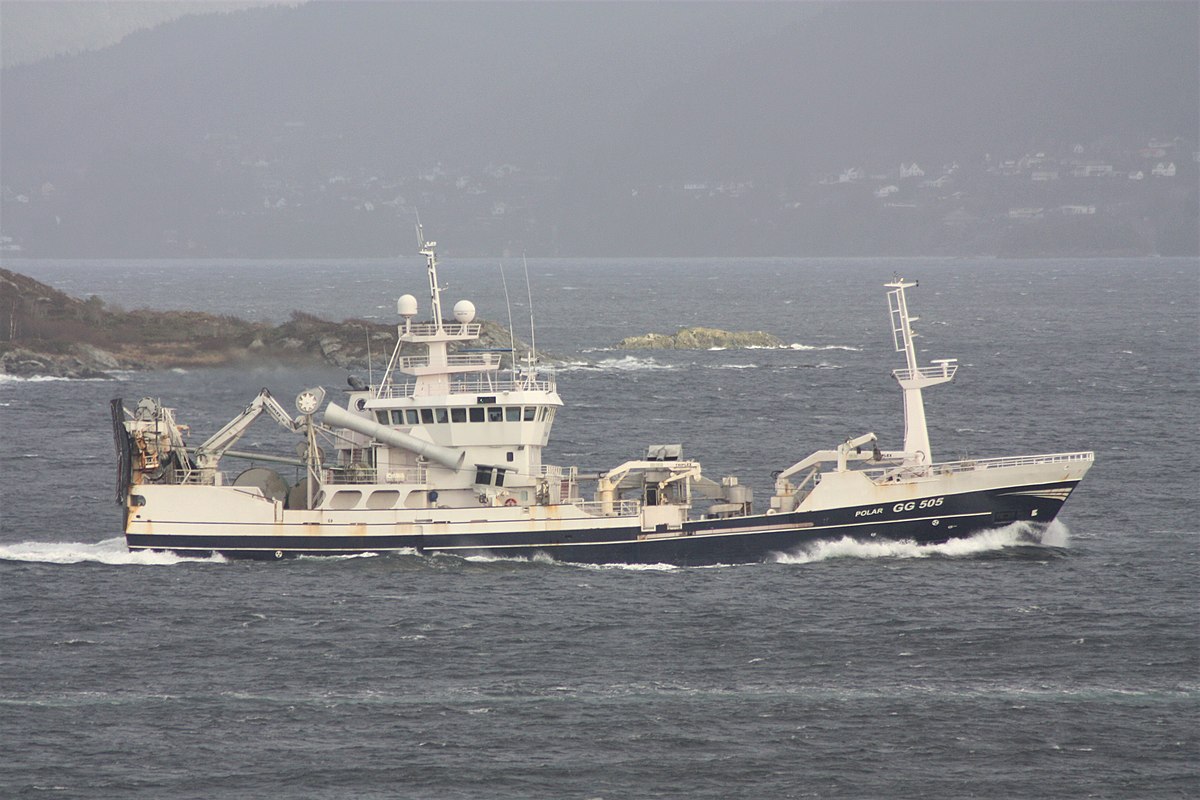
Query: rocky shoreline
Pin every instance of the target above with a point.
(46, 333)
(700, 338)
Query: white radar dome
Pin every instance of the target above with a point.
(406, 306)
(464, 311)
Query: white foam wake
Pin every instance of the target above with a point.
(6, 378)
(628, 567)
(626, 364)
(798, 346)
(545, 559)
(404, 551)
(1019, 534)
(108, 551)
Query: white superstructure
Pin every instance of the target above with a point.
(443, 421)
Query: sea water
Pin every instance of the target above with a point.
(1024, 662)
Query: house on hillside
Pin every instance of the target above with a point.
(1093, 169)
(959, 218)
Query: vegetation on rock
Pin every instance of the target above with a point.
(46, 332)
(699, 338)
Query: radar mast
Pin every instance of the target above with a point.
(429, 250)
(913, 378)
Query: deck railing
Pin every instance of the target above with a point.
(425, 329)
(620, 508)
(366, 473)
(882, 474)
(489, 360)
(479, 384)
(941, 369)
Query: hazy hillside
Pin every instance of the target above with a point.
(322, 128)
(926, 81)
(32, 30)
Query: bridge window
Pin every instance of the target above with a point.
(397, 417)
(489, 476)
(512, 414)
(495, 414)
(441, 414)
(458, 415)
(411, 415)
(427, 416)
(382, 417)
(476, 414)
(530, 413)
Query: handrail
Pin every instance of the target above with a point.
(427, 329)
(469, 386)
(977, 464)
(454, 360)
(619, 508)
(944, 369)
(365, 473)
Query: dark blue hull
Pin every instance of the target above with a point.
(698, 543)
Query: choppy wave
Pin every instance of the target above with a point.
(635, 364)
(108, 551)
(626, 364)
(408, 551)
(546, 560)
(798, 346)
(793, 346)
(5, 378)
(628, 567)
(1019, 534)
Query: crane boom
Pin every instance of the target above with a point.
(208, 455)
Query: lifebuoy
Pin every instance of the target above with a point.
(512, 501)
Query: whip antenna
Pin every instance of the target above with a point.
(529, 293)
(512, 340)
(370, 374)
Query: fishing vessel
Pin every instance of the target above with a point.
(443, 455)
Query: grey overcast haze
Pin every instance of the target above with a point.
(599, 129)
